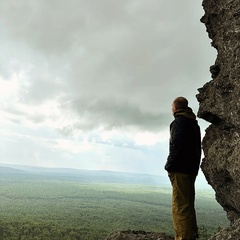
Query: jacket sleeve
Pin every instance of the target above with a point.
(176, 146)
(198, 143)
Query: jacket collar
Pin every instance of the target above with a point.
(186, 112)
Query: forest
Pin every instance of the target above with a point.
(48, 206)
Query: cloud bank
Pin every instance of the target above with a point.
(90, 69)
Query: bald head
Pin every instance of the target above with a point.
(179, 102)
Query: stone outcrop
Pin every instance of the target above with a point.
(220, 105)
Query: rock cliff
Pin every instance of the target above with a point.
(220, 105)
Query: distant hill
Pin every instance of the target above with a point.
(85, 175)
(9, 170)
(68, 174)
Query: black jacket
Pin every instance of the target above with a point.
(185, 143)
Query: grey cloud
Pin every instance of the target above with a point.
(112, 114)
(54, 27)
(125, 60)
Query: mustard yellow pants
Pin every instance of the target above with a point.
(183, 211)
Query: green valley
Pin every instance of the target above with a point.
(57, 206)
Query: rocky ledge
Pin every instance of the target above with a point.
(138, 235)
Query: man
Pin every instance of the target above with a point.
(182, 166)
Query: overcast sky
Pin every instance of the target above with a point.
(89, 84)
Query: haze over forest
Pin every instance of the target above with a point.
(48, 203)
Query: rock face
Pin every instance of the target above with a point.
(220, 105)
